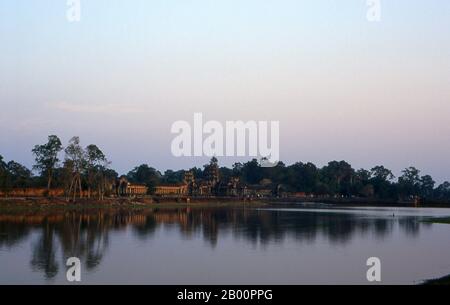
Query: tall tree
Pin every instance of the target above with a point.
(95, 165)
(380, 178)
(381, 173)
(237, 169)
(361, 183)
(443, 191)
(4, 175)
(2, 164)
(251, 172)
(109, 177)
(46, 157)
(301, 177)
(409, 182)
(339, 176)
(148, 176)
(75, 162)
(169, 177)
(20, 176)
(426, 186)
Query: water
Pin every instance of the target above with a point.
(298, 244)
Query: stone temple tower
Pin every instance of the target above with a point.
(189, 180)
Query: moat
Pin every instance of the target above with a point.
(295, 244)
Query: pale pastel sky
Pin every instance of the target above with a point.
(340, 86)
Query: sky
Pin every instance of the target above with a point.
(342, 88)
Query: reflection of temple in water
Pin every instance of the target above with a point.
(86, 234)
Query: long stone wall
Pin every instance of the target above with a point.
(32, 192)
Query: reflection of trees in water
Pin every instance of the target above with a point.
(44, 256)
(411, 226)
(75, 236)
(263, 226)
(13, 233)
(145, 229)
(85, 234)
(307, 226)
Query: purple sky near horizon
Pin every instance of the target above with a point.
(341, 87)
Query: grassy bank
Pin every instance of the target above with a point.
(446, 279)
(443, 220)
(58, 204)
(442, 281)
(42, 203)
(361, 202)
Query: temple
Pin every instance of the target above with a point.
(125, 188)
(212, 185)
(208, 184)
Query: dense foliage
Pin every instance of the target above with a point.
(88, 168)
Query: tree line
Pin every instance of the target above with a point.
(86, 171)
(82, 172)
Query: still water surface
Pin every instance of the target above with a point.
(298, 244)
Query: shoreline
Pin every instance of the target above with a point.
(58, 204)
(150, 202)
(443, 281)
(361, 202)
